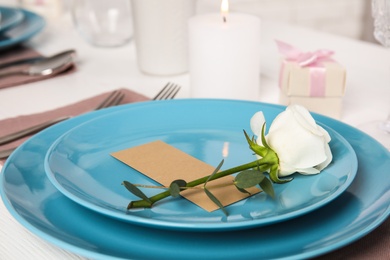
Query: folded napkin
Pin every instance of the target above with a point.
(19, 53)
(14, 124)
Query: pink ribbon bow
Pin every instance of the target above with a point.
(314, 60)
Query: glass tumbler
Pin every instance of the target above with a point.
(103, 23)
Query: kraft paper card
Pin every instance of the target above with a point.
(165, 163)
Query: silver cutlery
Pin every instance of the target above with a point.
(35, 59)
(168, 92)
(113, 99)
(45, 67)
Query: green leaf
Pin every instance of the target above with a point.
(216, 201)
(248, 178)
(249, 140)
(274, 175)
(258, 149)
(214, 172)
(267, 187)
(180, 182)
(243, 190)
(137, 192)
(174, 189)
(209, 194)
(263, 137)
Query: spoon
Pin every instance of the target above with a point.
(34, 59)
(45, 67)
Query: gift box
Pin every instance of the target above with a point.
(311, 79)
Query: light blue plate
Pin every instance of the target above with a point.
(41, 208)
(27, 28)
(9, 17)
(80, 166)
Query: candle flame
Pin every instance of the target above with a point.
(224, 9)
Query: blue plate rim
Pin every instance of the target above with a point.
(16, 16)
(39, 24)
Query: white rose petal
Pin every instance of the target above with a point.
(325, 133)
(329, 158)
(301, 145)
(286, 170)
(257, 121)
(296, 147)
(304, 118)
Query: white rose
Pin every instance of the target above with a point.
(300, 144)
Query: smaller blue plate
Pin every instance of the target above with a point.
(80, 166)
(9, 17)
(27, 28)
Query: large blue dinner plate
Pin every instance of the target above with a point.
(80, 166)
(41, 208)
(9, 17)
(31, 24)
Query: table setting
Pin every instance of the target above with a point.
(115, 116)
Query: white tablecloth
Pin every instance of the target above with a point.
(99, 70)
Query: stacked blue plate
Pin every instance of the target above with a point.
(63, 185)
(18, 25)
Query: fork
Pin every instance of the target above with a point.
(169, 91)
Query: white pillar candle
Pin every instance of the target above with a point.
(224, 56)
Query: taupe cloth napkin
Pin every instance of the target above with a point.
(19, 53)
(14, 124)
